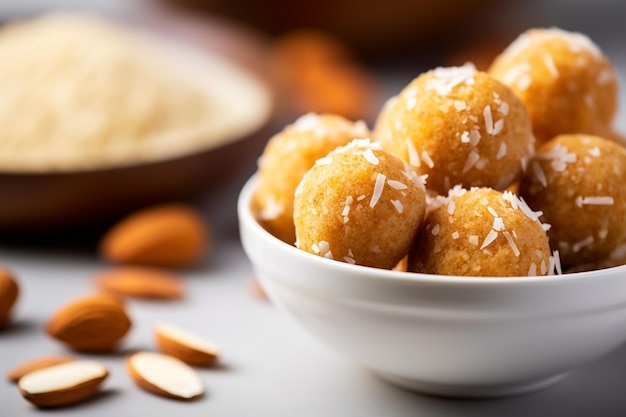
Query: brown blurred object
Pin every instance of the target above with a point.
(257, 289)
(316, 72)
(372, 28)
(9, 291)
(141, 282)
(480, 52)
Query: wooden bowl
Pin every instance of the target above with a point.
(65, 200)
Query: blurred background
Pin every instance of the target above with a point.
(344, 57)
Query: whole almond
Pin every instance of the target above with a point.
(164, 375)
(169, 235)
(15, 373)
(184, 345)
(94, 323)
(62, 384)
(9, 292)
(141, 282)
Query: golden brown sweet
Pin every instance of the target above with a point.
(579, 183)
(481, 232)
(564, 80)
(285, 159)
(459, 126)
(616, 258)
(359, 205)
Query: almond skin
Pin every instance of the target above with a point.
(9, 292)
(94, 323)
(164, 375)
(140, 282)
(63, 384)
(32, 365)
(169, 236)
(184, 345)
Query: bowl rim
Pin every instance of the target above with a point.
(248, 221)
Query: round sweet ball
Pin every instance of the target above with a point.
(616, 258)
(579, 183)
(482, 232)
(287, 156)
(565, 81)
(359, 205)
(459, 126)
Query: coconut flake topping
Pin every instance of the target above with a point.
(378, 189)
(445, 79)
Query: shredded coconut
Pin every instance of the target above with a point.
(378, 189)
(471, 160)
(369, 156)
(325, 160)
(396, 185)
(559, 156)
(324, 249)
(498, 224)
(451, 207)
(488, 119)
(491, 236)
(594, 200)
(555, 263)
(427, 159)
(398, 205)
(474, 136)
(459, 105)
(349, 260)
(595, 151)
(272, 208)
(512, 244)
(413, 156)
(445, 79)
(588, 241)
(498, 126)
(547, 59)
(501, 151)
(81, 92)
(504, 108)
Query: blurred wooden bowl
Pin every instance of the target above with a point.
(71, 200)
(374, 29)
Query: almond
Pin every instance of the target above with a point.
(8, 295)
(63, 384)
(141, 282)
(94, 323)
(36, 364)
(184, 345)
(257, 289)
(164, 375)
(169, 235)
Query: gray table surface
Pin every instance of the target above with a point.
(270, 367)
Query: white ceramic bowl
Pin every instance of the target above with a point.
(444, 335)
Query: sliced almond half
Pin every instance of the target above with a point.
(32, 365)
(64, 384)
(186, 346)
(164, 375)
